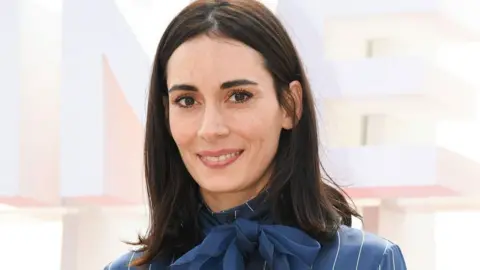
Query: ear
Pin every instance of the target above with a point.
(293, 110)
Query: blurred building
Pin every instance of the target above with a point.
(75, 76)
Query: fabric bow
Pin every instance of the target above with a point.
(226, 246)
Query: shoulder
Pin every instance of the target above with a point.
(357, 249)
(123, 262)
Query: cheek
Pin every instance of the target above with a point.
(259, 125)
(183, 129)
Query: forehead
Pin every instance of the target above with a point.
(214, 60)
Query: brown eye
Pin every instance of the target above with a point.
(240, 96)
(185, 101)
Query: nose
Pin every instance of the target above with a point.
(213, 124)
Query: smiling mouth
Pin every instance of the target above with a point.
(220, 161)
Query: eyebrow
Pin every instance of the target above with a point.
(225, 85)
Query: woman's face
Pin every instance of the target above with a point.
(223, 114)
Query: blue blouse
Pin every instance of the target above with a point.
(246, 231)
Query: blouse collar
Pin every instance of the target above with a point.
(255, 209)
(244, 237)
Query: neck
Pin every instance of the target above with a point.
(218, 202)
(221, 201)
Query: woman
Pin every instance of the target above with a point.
(231, 155)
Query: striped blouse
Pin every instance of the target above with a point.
(233, 233)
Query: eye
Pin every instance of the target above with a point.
(185, 101)
(240, 96)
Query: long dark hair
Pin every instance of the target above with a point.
(301, 194)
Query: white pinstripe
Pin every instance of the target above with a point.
(360, 251)
(338, 251)
(249, 207)
(131, 259)
(393, 259)
(386, 248)
(384, 252)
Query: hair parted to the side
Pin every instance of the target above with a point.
(301, 195)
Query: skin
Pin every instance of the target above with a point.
(221, 98)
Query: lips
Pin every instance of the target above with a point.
(219, 159)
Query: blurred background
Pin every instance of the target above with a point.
(397, 84)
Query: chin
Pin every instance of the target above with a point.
(221, 185)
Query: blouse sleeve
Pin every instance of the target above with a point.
(392, 259)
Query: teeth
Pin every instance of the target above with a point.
(220, 158)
